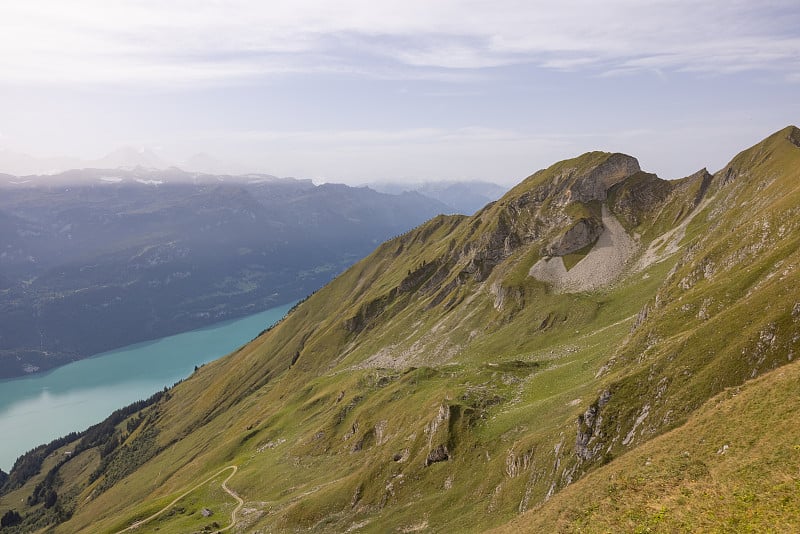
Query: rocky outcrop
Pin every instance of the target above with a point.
(418, 276)
(367, 314)
(499, 230)
(600, 267)
(637, 196)
(587, 446)
(582, 234)
(439, 454)
(441, 421)
(705, 178)
(530, 217)
(794, 136)
(595, 184)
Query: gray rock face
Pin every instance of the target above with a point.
(794, 136)
(582, 234)
(588, 428)
(631, 200)
(595, 184)
(537, 214)
(439, 454)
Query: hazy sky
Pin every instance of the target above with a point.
(361, 90)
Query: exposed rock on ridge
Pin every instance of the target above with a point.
(595, 184)
(638, 195)
(794, 136)
(589, 422)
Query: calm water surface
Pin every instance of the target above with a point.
(37, 409)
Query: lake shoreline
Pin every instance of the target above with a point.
(40, 407)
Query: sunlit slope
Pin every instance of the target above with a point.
(442, 384)
(727, 310)
(733, 467)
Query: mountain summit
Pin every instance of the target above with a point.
(570, 349)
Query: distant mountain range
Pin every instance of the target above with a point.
(94, 259)
(20, 164)
(465, 197)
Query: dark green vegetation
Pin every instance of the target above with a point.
(104, 438)
(437, 385)
(91, 265)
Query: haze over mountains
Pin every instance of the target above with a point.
(462, 197)
(599, 350)
(21, 169)
(95, 259)
(126, 157)
(20, 164)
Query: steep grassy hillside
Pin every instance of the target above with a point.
(733, 467)
(475, 367)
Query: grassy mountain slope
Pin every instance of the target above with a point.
(726, 470)
(440, 384)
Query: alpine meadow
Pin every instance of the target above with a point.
(600, 350)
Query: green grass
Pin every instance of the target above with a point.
(572, 259)
(477, 356)
(688, 480)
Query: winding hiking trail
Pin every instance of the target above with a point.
(225, 487)
(232, 494)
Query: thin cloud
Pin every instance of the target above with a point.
(149, 42)
(360, 137)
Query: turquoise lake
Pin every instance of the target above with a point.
(37, 409)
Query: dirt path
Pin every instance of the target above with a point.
(240, 502)
(232, 494)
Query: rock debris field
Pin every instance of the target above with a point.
(604, 263)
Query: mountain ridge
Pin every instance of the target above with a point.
(437, 385)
